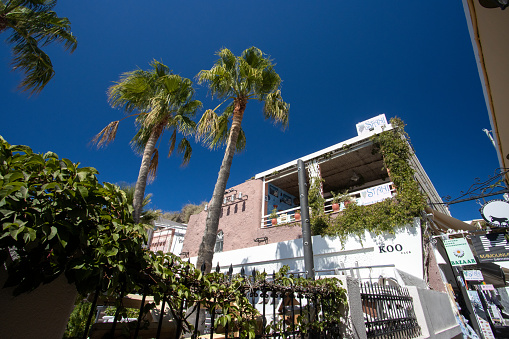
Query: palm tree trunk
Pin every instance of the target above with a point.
(141, 183)
(206, 251)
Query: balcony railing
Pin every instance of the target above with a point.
(366, 196)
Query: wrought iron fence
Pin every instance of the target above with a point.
(388, 312)
(283, 311)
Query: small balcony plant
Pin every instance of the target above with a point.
(346, 199)
(336, 199)
(339, 198)
(297, 215)
(273, 216)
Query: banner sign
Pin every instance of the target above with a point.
(491, 247)
(375, 194)
(473, 275)
(459, 252)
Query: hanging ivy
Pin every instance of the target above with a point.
(384, 216)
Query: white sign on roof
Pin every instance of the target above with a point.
(371, 126)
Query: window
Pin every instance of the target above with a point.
(219, 242)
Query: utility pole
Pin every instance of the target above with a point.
(306, 225)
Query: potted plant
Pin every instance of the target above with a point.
(297, 215)
(346, 199)
(336, 199)
(273, 216)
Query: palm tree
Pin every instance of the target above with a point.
(33, 24)
(235, 80)
(162, 101)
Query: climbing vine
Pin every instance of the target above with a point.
(384, 216)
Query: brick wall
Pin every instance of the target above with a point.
(240, 222)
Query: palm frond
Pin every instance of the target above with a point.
(213, 129)
(160, 69)
(34, 5)
(241, 142)
(270, 80)
(140, 139)
(152, 169)
(255, 58)
(158, 113)
(132, 92)
(34, 26)
(186, 150)
(226, 59)
(276, 109)
(222, 77)
(173, 140)
(207, 124)
(184, 124)
(51, 28)
(171, 82)
(34, 63)
(106, 135)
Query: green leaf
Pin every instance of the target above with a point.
(62, 241)
(112, 252)
(49, 155)
(83, 191)
(15, 230)
(49, 186)
(53, 232)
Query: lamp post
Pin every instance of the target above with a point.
(306, 226)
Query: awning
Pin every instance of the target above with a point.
(443, 222)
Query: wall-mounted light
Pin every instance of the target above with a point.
(355, 177)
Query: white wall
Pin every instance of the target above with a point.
(403, 250)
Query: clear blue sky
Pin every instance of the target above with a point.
(341, 62)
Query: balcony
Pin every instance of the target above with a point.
(366, 196)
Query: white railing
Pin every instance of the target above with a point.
(366, 196)
(283, 217)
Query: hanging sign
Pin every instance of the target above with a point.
(496, 213)
(487, 287)
(459, 252)
(491, 247)
(473, 275)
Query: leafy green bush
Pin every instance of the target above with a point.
(78, 320)
(58, 219)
